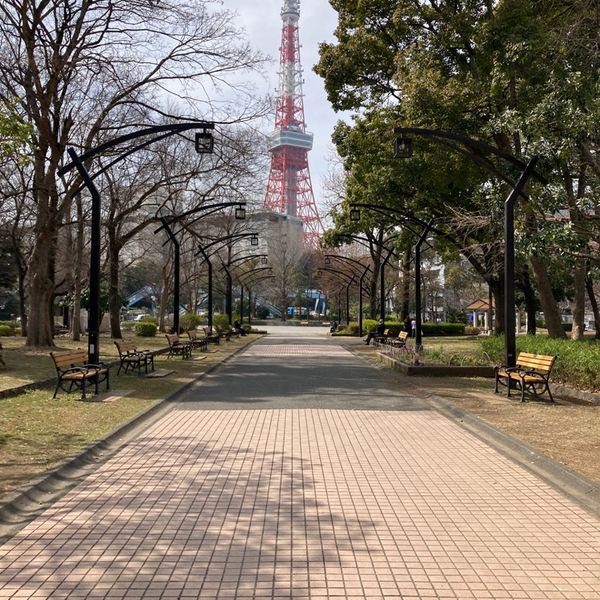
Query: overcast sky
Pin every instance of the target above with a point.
(262, 22)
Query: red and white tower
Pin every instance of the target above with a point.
(289, 189)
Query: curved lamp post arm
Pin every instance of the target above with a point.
(228, 238)
(168, 130)
(211, 208)
(470, 143)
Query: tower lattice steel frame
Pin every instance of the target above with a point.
(289, 189)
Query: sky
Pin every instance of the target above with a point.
(262, 22)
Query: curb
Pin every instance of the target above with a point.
(23, 506)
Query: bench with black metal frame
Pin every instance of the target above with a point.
(132, 358)
(73, 370)
(197, 342)
(178, 347)
(211, 337)
(530, 374)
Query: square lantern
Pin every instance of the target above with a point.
(403, 147)
(204, 142)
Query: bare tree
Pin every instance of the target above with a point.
(72, 66)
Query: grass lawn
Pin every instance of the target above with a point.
(25, 365)
(38, 432)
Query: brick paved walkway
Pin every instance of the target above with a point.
(306, 503)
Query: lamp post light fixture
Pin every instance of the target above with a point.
(204, 142)
(403, 147)
(355, 215)
(254, 240)
(240, 213)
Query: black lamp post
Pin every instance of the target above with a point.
(254, 278)
(427, 227)
(204, 145)
(209, 209)
(390, 253)
(203, 251)
(474, 149)
(328, 258)
(348, 280)
(240, 259)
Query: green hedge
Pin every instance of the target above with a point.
(10, 325)
(5, 331)
(435, 329)
(145, 329)
(577, 365)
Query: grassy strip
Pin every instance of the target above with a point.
(25, 365)
(37, 432)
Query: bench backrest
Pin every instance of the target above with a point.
(403, 335)
(71, 358)
(192, 334)
(172, 338)
(124, 347)
(540, 362)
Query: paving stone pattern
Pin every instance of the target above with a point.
(306, 503)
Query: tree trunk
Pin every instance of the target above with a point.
(405, 309)
(164, 294)
(114, 301)
(76, 326)
(579, 301)
(589, 284)
(497, 288)
(23, 302)
(41, 293)
(530, 302)
(547, 300)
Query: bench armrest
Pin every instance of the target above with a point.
(100, 365)
(83, 370)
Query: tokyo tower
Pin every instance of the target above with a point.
(289, 189)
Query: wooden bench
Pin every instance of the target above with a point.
(178, 347)
(72, 369)
(132, 358)
(531, 374)
(212, 338)
(197, 342)
(380, 339)
(399, 341)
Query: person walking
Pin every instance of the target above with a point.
(413, 328)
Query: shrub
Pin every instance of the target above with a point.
(145, 329)
(434, 329)
(191, 320)
(127, 325)
(470, 330)
(5, 331)
(149, 319)
(221, 321)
